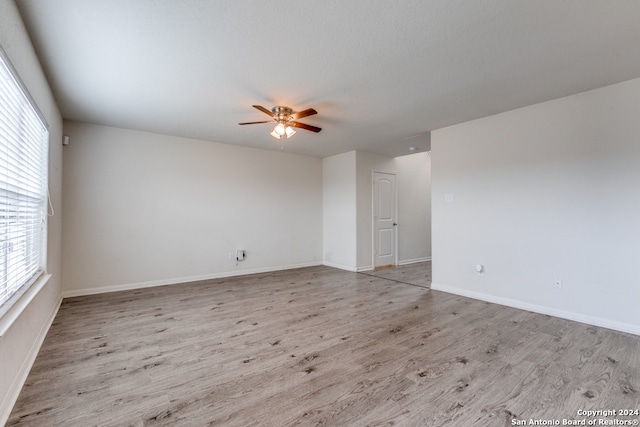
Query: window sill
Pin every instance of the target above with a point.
(12, 314)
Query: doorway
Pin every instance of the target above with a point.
(385, 212)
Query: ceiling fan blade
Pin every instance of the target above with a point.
(304, 126)
(264, 110)
(255, 123)
(304, 113)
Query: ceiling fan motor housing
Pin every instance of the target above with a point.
(281, 114)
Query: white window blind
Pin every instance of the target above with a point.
(24, 141)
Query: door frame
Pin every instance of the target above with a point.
(373, 217)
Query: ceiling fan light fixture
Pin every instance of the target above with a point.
(286, 120)
(289, 131)
(275, 134)
(279, 129)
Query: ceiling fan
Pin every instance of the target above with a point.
(285, 119)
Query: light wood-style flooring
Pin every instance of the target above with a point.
(318, 347)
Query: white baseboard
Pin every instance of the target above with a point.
(340, 266)
(23, 372)
(414, 260)
(577, 317)
(403, 262)
(177, 280)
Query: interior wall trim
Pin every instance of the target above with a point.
(22, 302)
(174, 281)
(563, 314)
(340, 266)
(371, 268)
(414, 260)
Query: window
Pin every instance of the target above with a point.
(24, 143)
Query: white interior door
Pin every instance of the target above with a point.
(384, 219)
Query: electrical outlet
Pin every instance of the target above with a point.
(558, 283)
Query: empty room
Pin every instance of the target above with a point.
(339, 213)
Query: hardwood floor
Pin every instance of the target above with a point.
(319, 346)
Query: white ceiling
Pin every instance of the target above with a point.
(380, 73)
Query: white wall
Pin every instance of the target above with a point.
(144, 209)
(339, 211)
(366, 163)
(20, 344)
(414, 207)
(550, 191)
(413, 181)
(347, 208)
